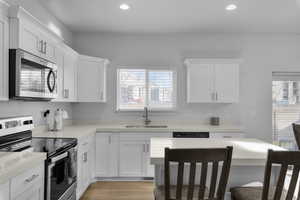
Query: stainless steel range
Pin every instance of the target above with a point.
(61, 163)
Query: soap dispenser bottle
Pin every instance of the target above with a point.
(58, 120)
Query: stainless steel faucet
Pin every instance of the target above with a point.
(146, 116)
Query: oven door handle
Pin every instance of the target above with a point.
(59, 157)
(48, 190)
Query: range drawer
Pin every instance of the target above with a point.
(26, 181)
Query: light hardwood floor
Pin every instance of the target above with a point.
(119, 191)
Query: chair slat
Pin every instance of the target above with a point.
(293, 183)
(191, 181)
(203, 180)
(179, 180)
(167, 174)
(213, 181)
(193, 157)
(280, 182)
(296, 128)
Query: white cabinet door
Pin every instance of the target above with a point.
(212, 80)
(4, 45)
(50, 49)
(132, 158)
(84, 171)
(200, 83)
(107, 148)
(227, 83)
(4, 191)
(34, 193)
(149, 167)
(91, 79)
(226, 135)
(70, 76)
(60, 75)
(30, 39)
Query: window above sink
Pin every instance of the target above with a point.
(139, 88)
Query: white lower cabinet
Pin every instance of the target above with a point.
(4, 191)
(34, 193)
(124, 154)
(27, 186)
(107, 148)
(132, 158)
(85, 160)
(226, 135)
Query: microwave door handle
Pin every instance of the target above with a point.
(51, 88)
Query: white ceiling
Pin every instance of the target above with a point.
(164, 16)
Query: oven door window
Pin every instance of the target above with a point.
(33, 79)
(60, 178)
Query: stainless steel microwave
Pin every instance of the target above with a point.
(31, 77)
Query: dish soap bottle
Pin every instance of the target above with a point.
(58, 120)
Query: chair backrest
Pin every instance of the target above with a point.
(296, 128)
(286, 160)
(194, 157)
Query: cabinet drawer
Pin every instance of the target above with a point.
(227, 135)
(85, 143)
(26, 181)
(142, 136)
(4, 191)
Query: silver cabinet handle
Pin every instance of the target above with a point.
(213, 96)
(85, 157)
(148, 148)
(84, 144)
(101, 95)
(28, 180)
(216, 96)
(109, 139)
(66, 93)
(41, 47)
(45, 47)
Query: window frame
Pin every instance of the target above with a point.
(147, 70)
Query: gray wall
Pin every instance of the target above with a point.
(262, 54)
(17, 108)
(40, 12)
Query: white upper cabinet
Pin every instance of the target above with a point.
(212, 80)
(199, 92)
(70, 75)
(92, 79)
(66, 61)
(29, 34)
(4, 31)
(227, 83)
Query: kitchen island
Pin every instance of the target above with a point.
(248, 158)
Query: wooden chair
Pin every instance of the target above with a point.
(296, 128)
(192, 191)
(286, 160)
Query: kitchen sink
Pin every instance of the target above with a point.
(146, 126)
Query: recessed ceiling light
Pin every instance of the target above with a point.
(231, 7)
(124, 6)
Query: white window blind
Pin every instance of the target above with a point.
(286, 107)
(139, 88)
